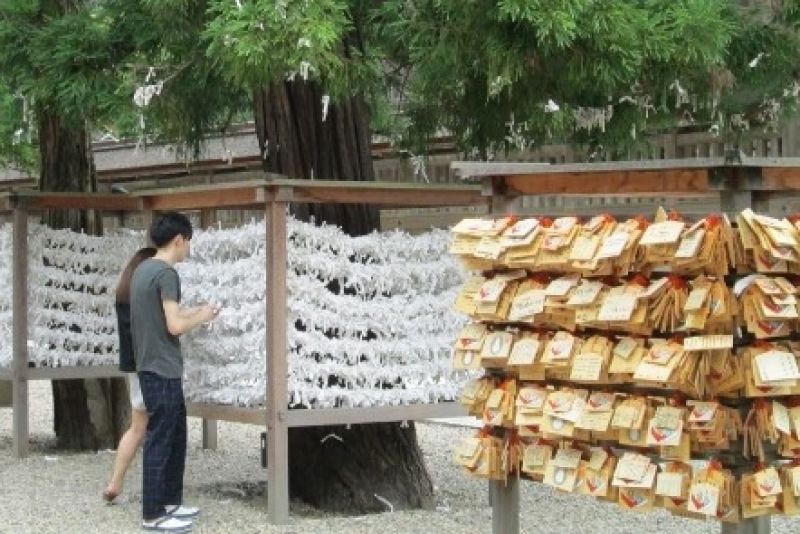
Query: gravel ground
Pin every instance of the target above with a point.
(57, 492)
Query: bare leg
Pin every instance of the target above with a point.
(126, 452)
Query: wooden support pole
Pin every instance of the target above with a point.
(209, 425)
(505, 505)
(755, 525)
(277, 367)
(19, 340)
(733, 200)
(208, 217)
(210, 436)
(503, 496)
(147, 220)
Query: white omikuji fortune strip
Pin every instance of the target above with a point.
(385, 340)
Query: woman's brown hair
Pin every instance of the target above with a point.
(124, 286)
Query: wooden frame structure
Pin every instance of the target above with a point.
(273, 196)
(739, 184)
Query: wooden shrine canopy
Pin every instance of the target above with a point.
(682, 177)
(253, 194)
(738, 183)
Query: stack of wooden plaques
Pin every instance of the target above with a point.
(616, 352)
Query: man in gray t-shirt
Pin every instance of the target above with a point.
(157, 320)
(157, 351)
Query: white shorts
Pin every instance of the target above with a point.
(135, 391)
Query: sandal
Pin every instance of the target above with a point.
(110, 496)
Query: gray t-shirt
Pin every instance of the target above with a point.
(155, 349)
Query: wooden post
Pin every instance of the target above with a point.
(210, 434)
(19, 340)
(503, 496)
(277, 367)
(732, 201)
(505, 506)
(755, 525)
(207, 218)
(147, 220)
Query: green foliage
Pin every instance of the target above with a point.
(259, 42)
(168, 45)
(772, 50)
(64, 62)
(556, 21)
(84, 61)
(476, 64)
(496, 74)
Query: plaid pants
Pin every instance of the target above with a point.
(164, 443)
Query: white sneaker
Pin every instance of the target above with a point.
(167, 524)
(180, 511)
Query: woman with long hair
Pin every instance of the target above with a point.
(134, 436)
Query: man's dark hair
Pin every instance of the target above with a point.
(168, 225)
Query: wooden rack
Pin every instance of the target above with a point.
(273, 196)
(739, 182)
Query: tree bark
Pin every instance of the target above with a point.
(374, 468)
(88, 414)
(296, 142)
(373, 464)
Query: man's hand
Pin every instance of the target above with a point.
(208, 313)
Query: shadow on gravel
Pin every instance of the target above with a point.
(254, 495)
(38, 444)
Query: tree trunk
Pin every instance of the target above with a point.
(296, 142)
(375, 461)
(88, 414)
(373, 468)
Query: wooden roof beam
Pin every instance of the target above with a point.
(232, 195)
(383, 194)
(36, 201)
(676, 182)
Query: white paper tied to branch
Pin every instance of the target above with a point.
(588, 118)
(793, 90)
(281, 7)
(681, 94)
(305, 70)
(145, 93)
(326, 102)
(517, 134)
(551, 107)
(420, 167)
(756, 60)
(392, 323)
(26, 129)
